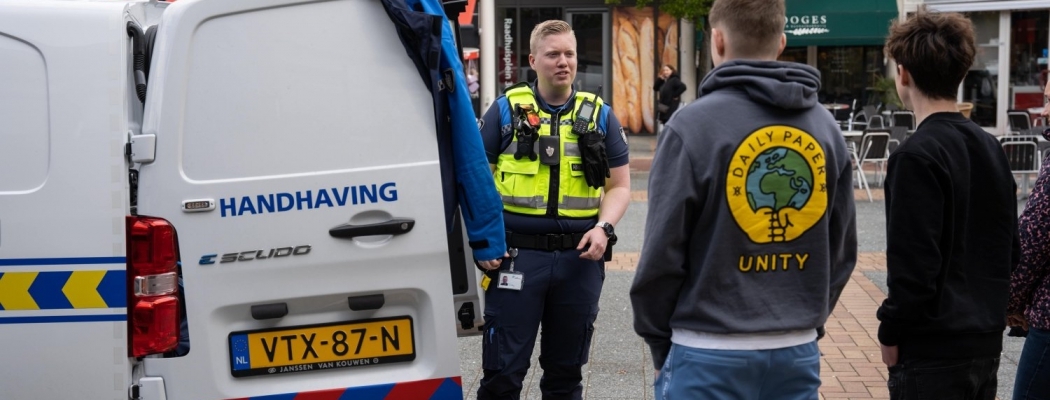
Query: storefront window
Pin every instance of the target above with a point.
(1028, 54)
(530, 17)
(794, 54)
(980, 85)
(849, 72)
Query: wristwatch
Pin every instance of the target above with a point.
(609, 231)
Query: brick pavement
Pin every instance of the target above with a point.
(851, 367)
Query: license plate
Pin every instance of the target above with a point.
(278, 351)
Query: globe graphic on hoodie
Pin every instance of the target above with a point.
(779, 178)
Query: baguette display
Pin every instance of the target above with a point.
(645, 42)
(642, 42)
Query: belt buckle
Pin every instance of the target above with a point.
(554, 242)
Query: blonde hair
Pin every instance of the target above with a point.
(755, 26)
(547, 28)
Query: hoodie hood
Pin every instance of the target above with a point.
(780, 84)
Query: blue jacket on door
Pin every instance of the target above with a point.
(466, 178)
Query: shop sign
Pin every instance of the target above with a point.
(508, 74)
(802, 25)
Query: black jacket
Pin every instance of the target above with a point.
(670, 95)
(951, 229)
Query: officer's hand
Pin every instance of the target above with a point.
(490, 265)
(597, 240)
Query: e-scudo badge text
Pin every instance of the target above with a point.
(308, 199)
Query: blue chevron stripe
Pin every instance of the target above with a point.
(113, 288)
(47, 290)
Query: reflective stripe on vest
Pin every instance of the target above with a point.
(524, 184)
(571, 149)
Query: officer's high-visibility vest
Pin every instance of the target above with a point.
(526, 185)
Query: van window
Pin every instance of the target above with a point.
(23, 117)
(255, 107)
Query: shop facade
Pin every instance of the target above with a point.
(1010, 69)
(844, 40)
(619, 51)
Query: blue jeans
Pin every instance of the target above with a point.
(701, 374)
(1033, 371)
(962, 379)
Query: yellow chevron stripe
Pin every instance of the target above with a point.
(14, 291)
(81, 289)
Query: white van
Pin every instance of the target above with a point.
(283, 160)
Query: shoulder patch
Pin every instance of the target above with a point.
(623, 135)
(481, 123)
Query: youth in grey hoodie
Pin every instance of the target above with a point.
(751, 226)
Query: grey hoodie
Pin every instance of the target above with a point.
(751, 225)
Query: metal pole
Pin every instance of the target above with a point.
(687, 57)
(487, 31)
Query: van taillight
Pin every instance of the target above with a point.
(153, 285)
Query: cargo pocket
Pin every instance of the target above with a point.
(490, 345)
(514, 176)
(588, 335)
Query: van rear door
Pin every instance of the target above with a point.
(63, 199)
(297, 159)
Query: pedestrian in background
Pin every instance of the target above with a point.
(751, 233)
(669, 86)
(951, 224)
(551, 149)
(1029, 306)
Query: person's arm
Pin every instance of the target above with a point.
(679, 88)
(674, 201)
(915, 204)
(842, 234)
(491, 129)
(658, 84)
(1034, 237)
(614, 203)
(617, 187)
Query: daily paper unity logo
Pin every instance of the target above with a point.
(777, 184)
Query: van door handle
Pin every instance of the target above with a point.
(396, 226)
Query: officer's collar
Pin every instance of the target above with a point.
(547, 107)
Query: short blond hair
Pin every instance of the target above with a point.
(755, 26)
(547, 28)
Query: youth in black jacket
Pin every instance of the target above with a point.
(951, 242)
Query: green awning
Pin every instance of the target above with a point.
(838, 22)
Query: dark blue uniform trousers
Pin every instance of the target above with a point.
(560, 291)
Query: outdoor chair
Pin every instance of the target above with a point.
(898, 135)
(876, 122)
(874, 149)
(861, 180)
(1020, 123)
(1022, 154)
(862, 119)
(903, 118)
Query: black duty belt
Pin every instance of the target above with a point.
(550, 242)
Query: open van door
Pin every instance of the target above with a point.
(297, 158)
(63, 199)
